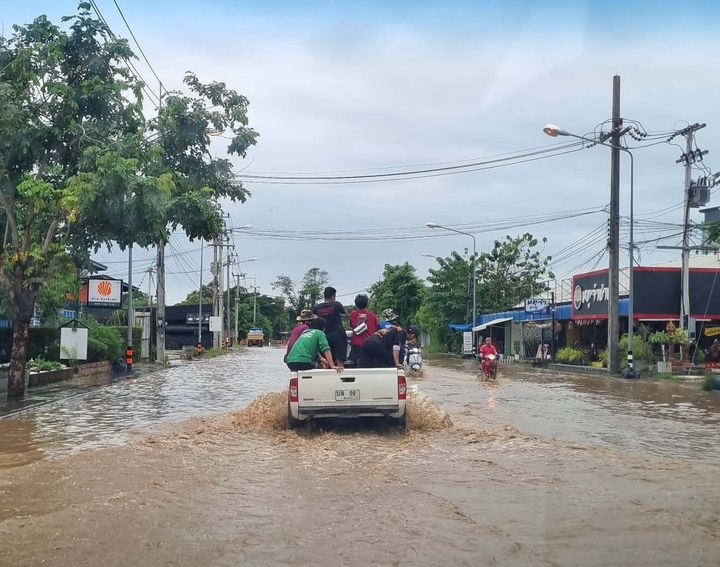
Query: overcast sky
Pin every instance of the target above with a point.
(346, 87)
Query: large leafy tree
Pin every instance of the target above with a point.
(398, 289)
(71, 157)
(514, 270)
(448, 299)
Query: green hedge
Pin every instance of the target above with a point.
(104, 343)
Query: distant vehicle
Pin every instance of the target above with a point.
(255, 337)
(361, 392)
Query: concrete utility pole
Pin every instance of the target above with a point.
(689, 159)
(129, 352)
(160, 310)
(216, 307)
(614, 236)
(221, 306)
(237, 299)
(200, 300)
(227, 264)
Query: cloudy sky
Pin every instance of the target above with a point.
(362, 88)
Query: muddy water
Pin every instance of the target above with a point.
(112, 414)
(661, 417)
(498, 481)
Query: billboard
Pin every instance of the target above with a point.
(536, 305)
(590, 295)
(657, 294)
(104, 293)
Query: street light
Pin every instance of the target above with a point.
(554, 131)
(431, 256)
(474, 310)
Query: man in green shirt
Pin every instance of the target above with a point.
(309, 345)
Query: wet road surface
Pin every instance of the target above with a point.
(537, 469)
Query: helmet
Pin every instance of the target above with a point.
(389, 315)
(414, 329)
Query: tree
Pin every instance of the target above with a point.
(310, 290)
(514, 270)
(398, 289)
(447, 300)
(192, 297)
(71, 151)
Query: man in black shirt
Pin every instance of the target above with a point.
(332, 312)
(382, 349)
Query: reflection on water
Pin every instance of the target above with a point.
(663, 417)
(105, 416)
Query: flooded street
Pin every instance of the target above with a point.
(539, 468)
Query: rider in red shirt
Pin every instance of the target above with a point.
(485, 350)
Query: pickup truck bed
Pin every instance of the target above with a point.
(362, 392)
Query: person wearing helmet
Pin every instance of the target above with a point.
(363, 324)
(382, 349)
(413, 340)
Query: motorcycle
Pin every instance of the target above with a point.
(414, 360)
(490, 369)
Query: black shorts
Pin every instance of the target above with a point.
(338, 345)
(375, 355)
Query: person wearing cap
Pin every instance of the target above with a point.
(363, 324)
(413, 340)
(382, 349)
(332, 311)
(302, 319)
(310, 344)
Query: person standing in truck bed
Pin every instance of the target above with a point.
(358, 318)
(332, 311)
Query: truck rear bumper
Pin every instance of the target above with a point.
(349, 412)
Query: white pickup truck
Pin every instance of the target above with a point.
(356, 392)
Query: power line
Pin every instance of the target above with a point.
(127, 25)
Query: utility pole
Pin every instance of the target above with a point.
(614, 236)
(200, 300)
(228, 291)
(237, 289)
(221, 306)
(216, 308)
(689, 159)
(160, 311)
(129, 352)
(254, 304)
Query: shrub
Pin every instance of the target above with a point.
(569, 355)
(42, 365)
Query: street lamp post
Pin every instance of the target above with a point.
(553, 130)
(474, 296)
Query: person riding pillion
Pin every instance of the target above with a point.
(308, 346)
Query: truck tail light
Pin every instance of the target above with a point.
(294, 389)
(402, 387)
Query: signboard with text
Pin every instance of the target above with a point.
(590, 295)
(104, 293)
(536, 305)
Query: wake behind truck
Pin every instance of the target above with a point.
(255, 337)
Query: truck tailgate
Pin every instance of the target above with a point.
(362, 387)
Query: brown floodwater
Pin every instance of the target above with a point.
(539, 468)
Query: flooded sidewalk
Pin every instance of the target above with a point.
(524, 471)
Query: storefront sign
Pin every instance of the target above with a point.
(536, 305)
(711, 331)
(104, 293)
(590, 295)
(467, 342)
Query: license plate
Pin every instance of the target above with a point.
(341, 395)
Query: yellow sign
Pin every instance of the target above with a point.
(712, 331)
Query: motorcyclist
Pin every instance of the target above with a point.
(485, 350)
(413, 340)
